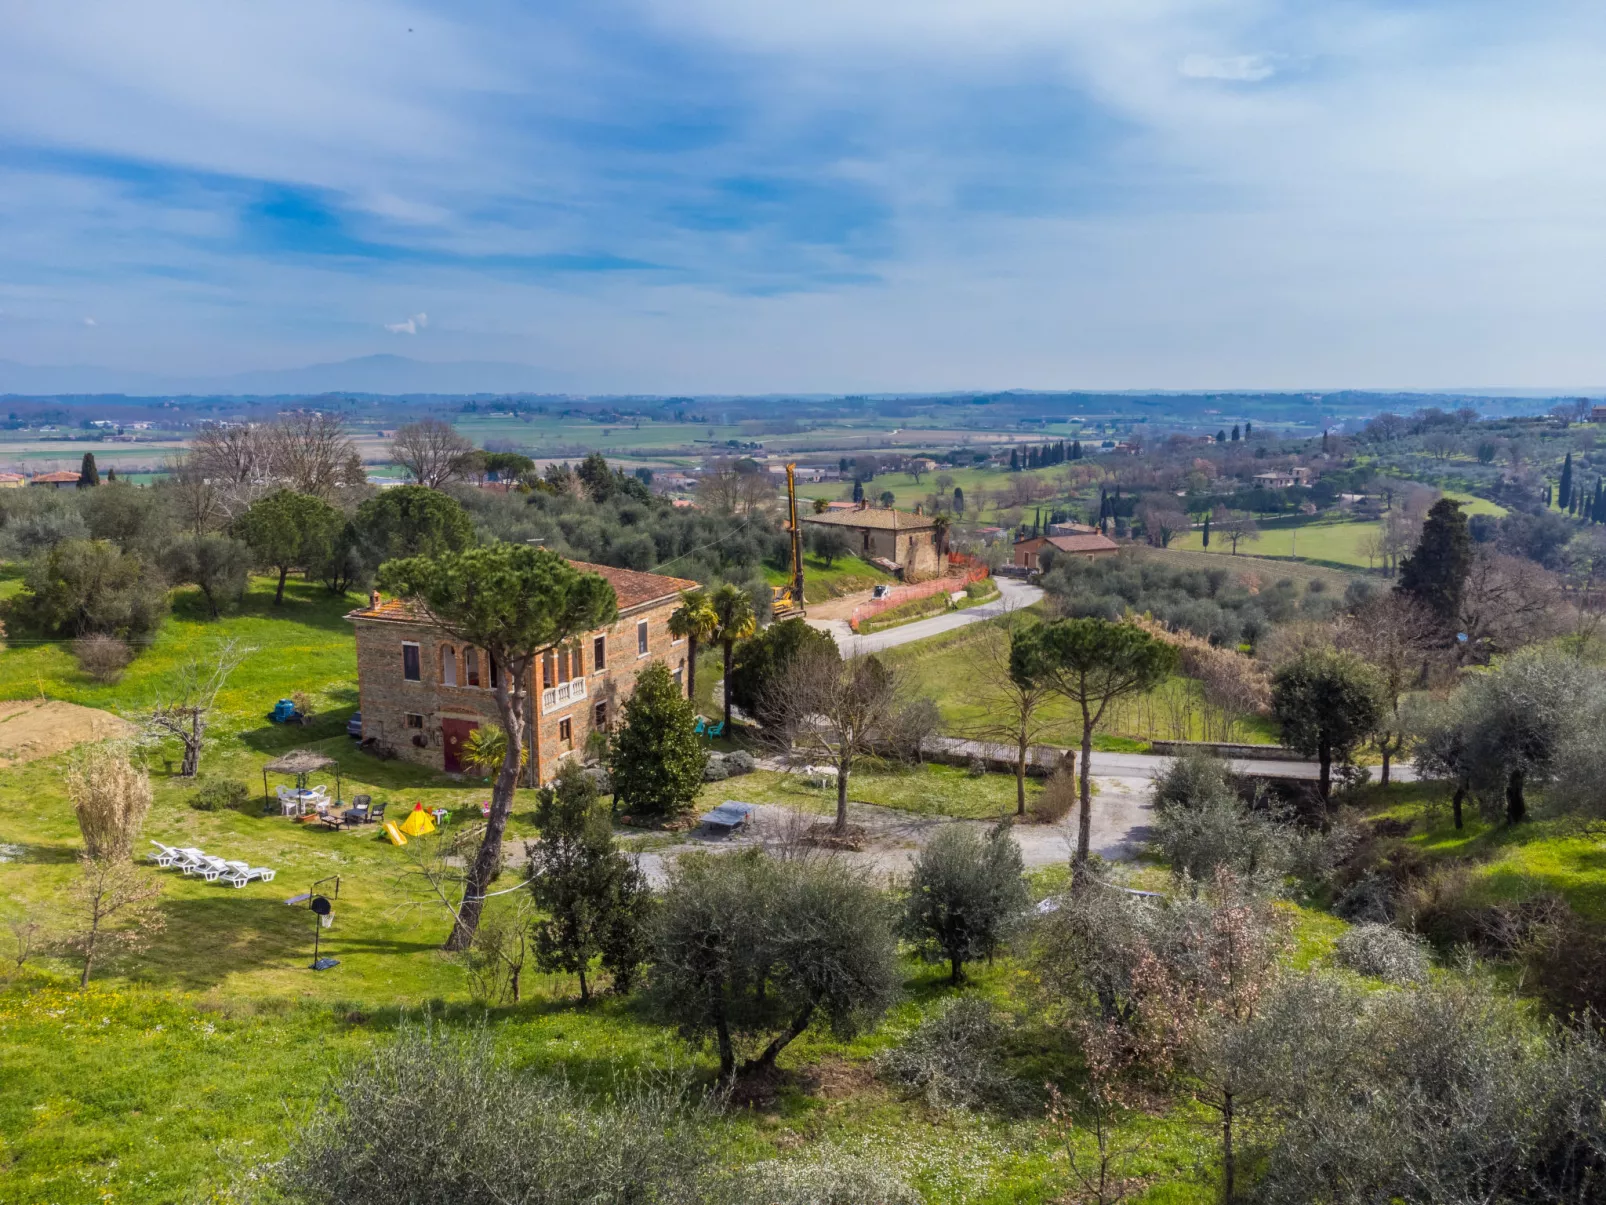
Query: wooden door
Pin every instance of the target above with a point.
(453, 734)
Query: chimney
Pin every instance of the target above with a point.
(373, 600)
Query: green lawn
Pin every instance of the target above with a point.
(846, 575)
(1471, 504)
(944, 668)
(1332, 542)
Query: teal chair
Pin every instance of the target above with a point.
(700, 726)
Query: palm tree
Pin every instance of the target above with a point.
(694, 622)
(940, 523)
(734, 610)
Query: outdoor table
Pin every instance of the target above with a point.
(353, 816)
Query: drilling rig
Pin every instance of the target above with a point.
(789, 598)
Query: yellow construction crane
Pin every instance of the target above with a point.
(789, 598)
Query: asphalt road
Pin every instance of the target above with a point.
(1012, 596)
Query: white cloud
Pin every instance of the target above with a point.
(1237, 68)
(90, 322)
(410, 327)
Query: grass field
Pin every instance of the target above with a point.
(978, 485)
(1339, 543)
(944, 669)
(1262, 568)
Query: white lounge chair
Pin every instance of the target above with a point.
(211, 869)
(189, 859)
(244, 874)
(165, 855)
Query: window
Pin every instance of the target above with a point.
(599, 654)
(680, 675)
(471, 667)
(410, 665)
(549, 670)
(496, 674)
(577, 661)
(448, 665)
(599, 716)
(641, 638)
(412, 720)
(566, 731)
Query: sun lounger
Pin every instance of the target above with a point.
(211, 869)
(165, 855)
(189, 859)
(242, 876)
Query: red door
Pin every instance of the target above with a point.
(453, 734)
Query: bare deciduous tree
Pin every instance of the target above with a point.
(313, 454)
(1163, 519)
(1234, 526)
(115, 906)
(432, 450)
(182, 710)
(1398, 637)
(1013, 712)
(1506, 604)
(830, 710)
(231, 454)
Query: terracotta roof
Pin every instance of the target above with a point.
(54, 478)
(1084, 543)
(12, 477)
(631, 587)
(880, 520)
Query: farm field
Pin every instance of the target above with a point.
(978, 485)
(1263, 569)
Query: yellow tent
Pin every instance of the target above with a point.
(418, 822)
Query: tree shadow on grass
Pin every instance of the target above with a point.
(209, 938)
(305, 603)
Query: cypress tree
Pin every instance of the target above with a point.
(1436, 573)
(959, 500)
(1248, 427)
(1221, 436)
(858, 491)
(88, 474)
(1076, 449)
(1235, 433)
(1564, 492)
(1014, 461)
(1207, 530)
(111, 476)
(1597, 511)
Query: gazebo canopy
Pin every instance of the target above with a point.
(300, 761)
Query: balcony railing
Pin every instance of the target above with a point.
(562, 694)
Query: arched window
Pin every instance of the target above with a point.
(448, 665)
(471, 667)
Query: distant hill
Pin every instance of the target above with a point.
(381, 374)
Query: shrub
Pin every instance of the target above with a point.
(822, 1178)
(494, 1135)
(86, 586)
(740, 762)
(1057, 799)
(975, 767)
(954, 1059)
(1452, 908)
(715, 770)
(1383, 952)
(102, 657)
(219, 795)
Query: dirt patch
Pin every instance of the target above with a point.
(32, 729)
(824, 836)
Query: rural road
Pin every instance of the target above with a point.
(1012, 596)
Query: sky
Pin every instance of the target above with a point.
(825, 196)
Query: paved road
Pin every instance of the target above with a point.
(1012, 596)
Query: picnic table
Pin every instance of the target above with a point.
(728, 816)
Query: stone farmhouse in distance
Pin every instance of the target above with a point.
(895, 540)
(421, 692)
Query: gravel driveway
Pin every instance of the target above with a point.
(1120, 818)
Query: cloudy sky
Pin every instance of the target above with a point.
(744, 195)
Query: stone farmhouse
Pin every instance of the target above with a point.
(900, 542)
(422, 693)
(1089, 544)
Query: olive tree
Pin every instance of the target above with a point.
(287, 531)
(965, 895)
(1091, 663)
(515, 602)
(1517, 718)
(751, 951)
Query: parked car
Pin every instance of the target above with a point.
(354, 726)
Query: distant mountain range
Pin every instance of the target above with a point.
(383, 374)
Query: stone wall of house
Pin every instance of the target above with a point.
(408, 716)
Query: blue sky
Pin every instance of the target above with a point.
(740, 195)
